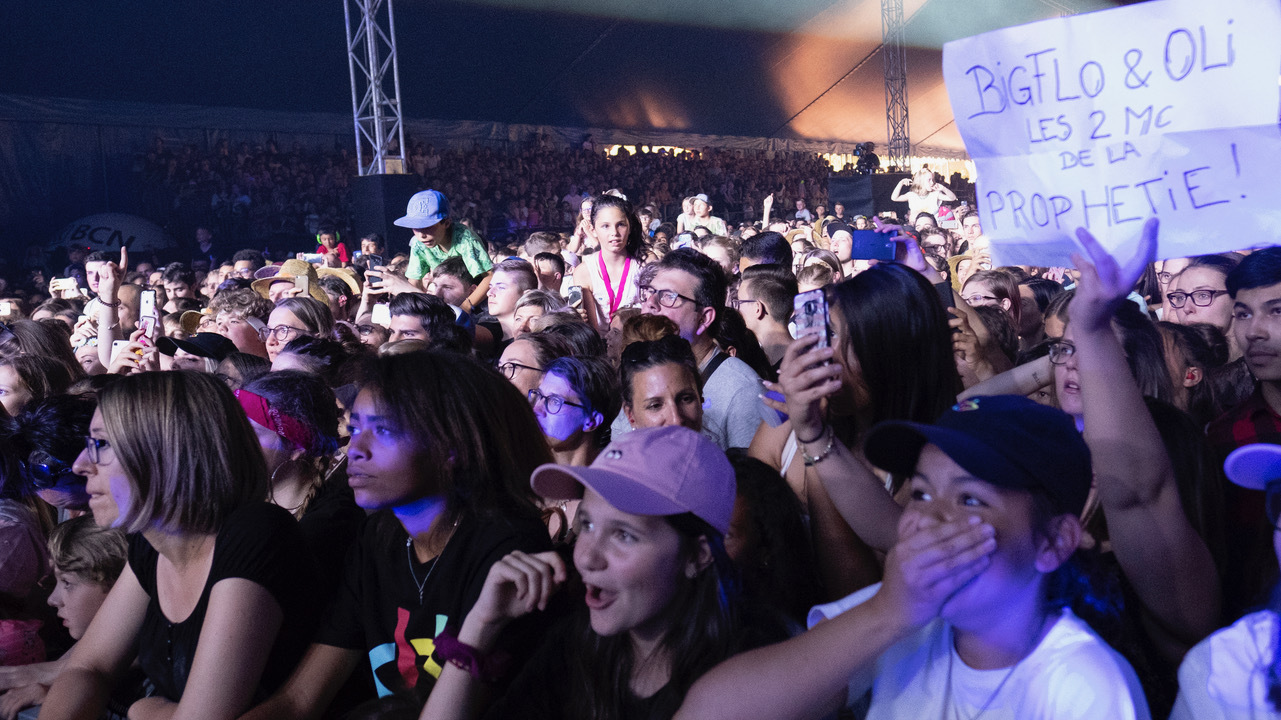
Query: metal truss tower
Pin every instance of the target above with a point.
(375, 87)
(895, 54)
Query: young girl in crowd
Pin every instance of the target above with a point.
(444, 448)
(661, 606)
(295, 418)
(218, 600)
(27, 378)
(974, 617)
(87, 560)
(835, 395)
(610, 280)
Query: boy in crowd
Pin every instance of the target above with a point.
(767, 248)
(437, 237)
(765, 296)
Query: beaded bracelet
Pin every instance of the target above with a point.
(811, 460)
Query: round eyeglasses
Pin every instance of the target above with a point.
(553, 403)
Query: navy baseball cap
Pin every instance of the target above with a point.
(1006, 440)
(425, 210)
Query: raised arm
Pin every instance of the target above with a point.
(899, 194)
(857, 493)
(110, 277)
(101, 656)
(1164, 558)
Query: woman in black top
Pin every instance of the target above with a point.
(216, 604)
(443, 448)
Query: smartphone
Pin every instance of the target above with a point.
(303, 283)
(382, 315)
(683, 240)
(6, 308)
(147, 305)
(373, 261)
(62, 284)
(810, 316)
(313, 258)
(575, 296)
(115, 348)
(872, 245)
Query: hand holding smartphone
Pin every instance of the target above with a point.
(810, 316)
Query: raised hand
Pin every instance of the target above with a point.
(805, 378)
(111, 275)
(516, 586)
(1104, 282)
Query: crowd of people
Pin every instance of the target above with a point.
(653, 466)
(257, 195)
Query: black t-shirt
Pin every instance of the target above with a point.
(331, 526)
(378, 608)
(543, 690)
(261, 543)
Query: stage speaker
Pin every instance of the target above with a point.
(377, 201)
(866, 194)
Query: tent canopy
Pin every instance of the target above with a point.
(802, 69)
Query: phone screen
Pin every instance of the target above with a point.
(810, 316)
(382, 315)
(147, 305)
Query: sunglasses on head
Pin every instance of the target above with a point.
(44, 470)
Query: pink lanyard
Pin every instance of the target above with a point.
(614, 299)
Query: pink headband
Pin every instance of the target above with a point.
(286, 426)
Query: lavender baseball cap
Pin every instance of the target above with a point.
(653, 471)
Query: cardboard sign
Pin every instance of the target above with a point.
(1165, 108)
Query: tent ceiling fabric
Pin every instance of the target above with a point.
(807, 69)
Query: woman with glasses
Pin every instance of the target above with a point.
(218, 601)
(525, 359)
(1199, 294)
(575, 403)
(441, 453)
(293, 318)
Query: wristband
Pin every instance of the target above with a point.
(115, 304)
(486, 668)
(816, 438)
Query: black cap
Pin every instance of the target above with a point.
(207, 345)
(1006, 440)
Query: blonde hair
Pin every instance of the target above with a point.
(186, 448)
(93, 553)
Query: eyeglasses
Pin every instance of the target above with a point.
(282, 333)
(509, 369)
(94, 447)
(553, 403)
(44, 470)
(1200, 298)
(1060, 351)
(971, 300)
(739, 303)
(1164, 277)
(365, 330)
(666, 298)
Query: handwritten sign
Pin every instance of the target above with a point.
(1165, 108)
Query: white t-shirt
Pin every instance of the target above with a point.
(1072, 673)
(1225, 677)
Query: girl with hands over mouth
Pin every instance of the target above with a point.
(973, 618)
